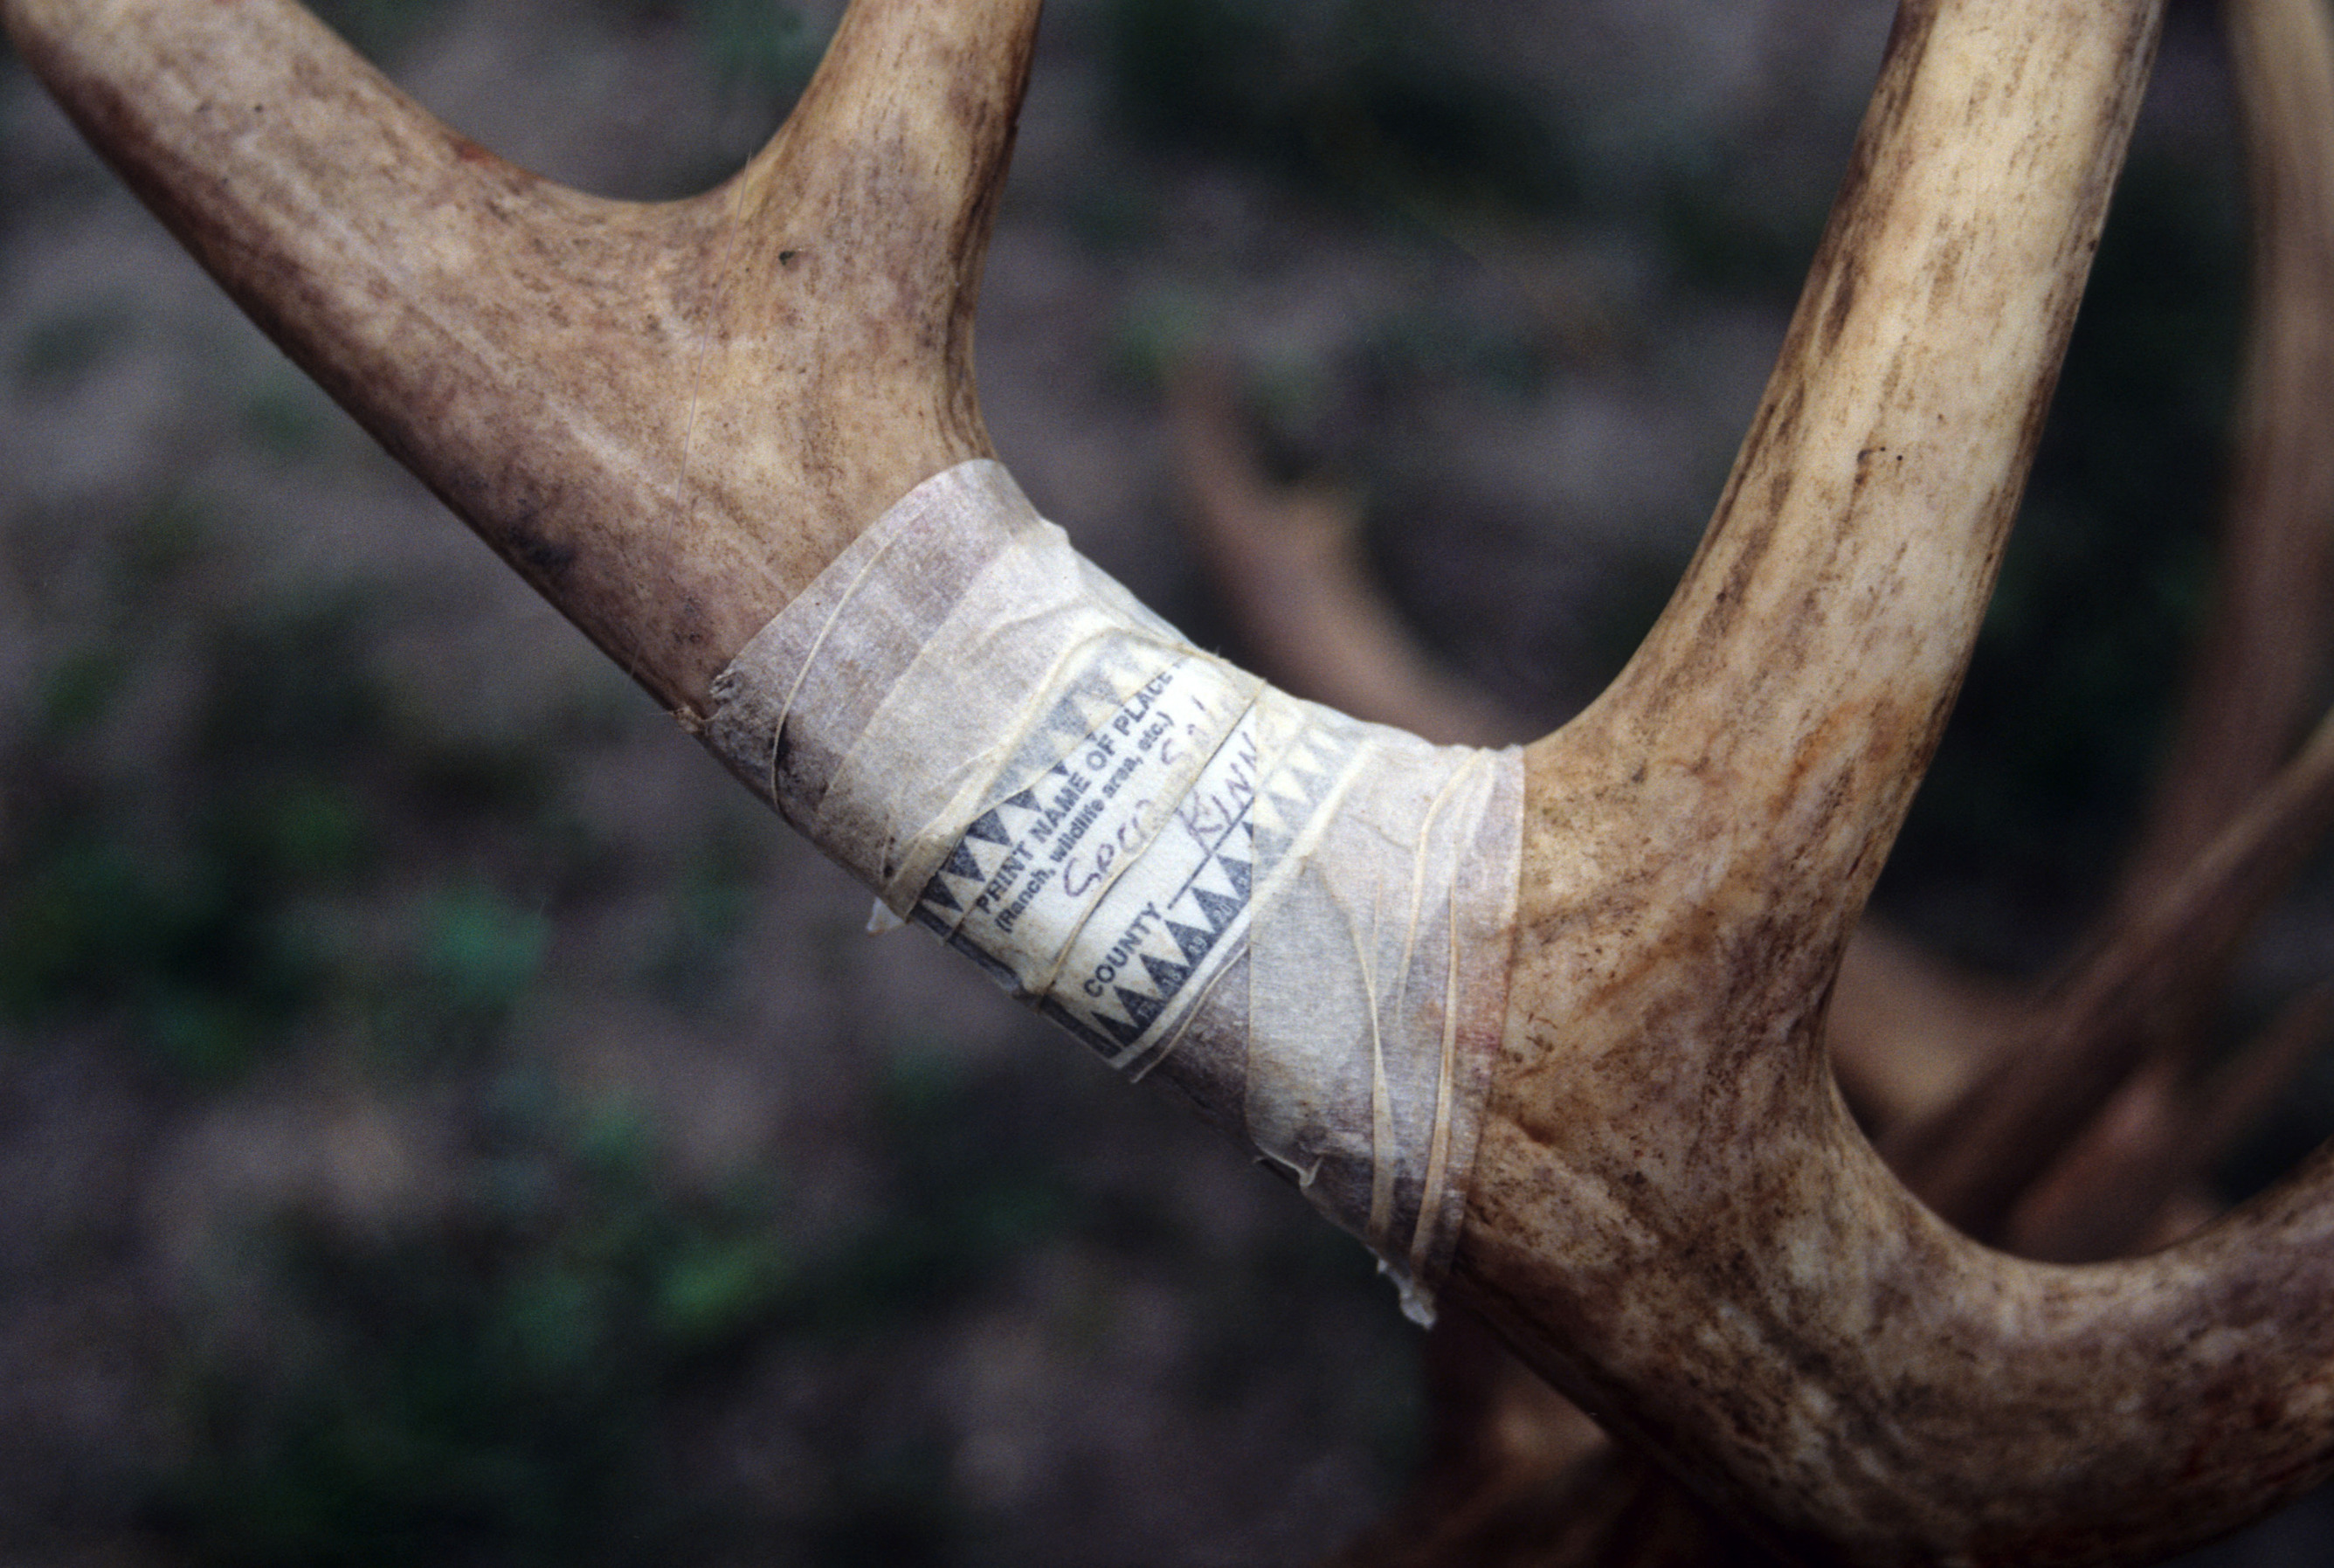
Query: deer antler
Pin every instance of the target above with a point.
(1701, 839)
(672, 418)
(667, 418)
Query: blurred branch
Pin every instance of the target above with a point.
(1289, 566)
(1975, 1159)
(2132, 1180)
(2260, 660)
(1908, 1029)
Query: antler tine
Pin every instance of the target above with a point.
(1746, 1290)
(668, 418)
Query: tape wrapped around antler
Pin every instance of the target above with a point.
(1301, 920)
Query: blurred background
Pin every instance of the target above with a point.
(443, 1120)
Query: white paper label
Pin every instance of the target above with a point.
(1300, 920)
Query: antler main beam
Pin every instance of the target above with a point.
(672, 418)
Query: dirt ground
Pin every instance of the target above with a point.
(442, 1119)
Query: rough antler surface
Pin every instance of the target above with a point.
(667, 418)
(671, 418)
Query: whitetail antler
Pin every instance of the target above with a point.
(667, 418)
(673, 419)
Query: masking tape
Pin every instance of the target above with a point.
(1300, 920)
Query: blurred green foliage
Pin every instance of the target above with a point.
(755, 46)
(379, 28)
(1366, 99)
(972, 1179)
(1721, 229)
(1429, 339)
(60, 348)
(763, 48)
(287, 419)
(497, 1385)
(487, 1388)
(691, 960)
(216, 927)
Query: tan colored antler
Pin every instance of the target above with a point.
(672, 418)
(1858, 1373)
(667, 418)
